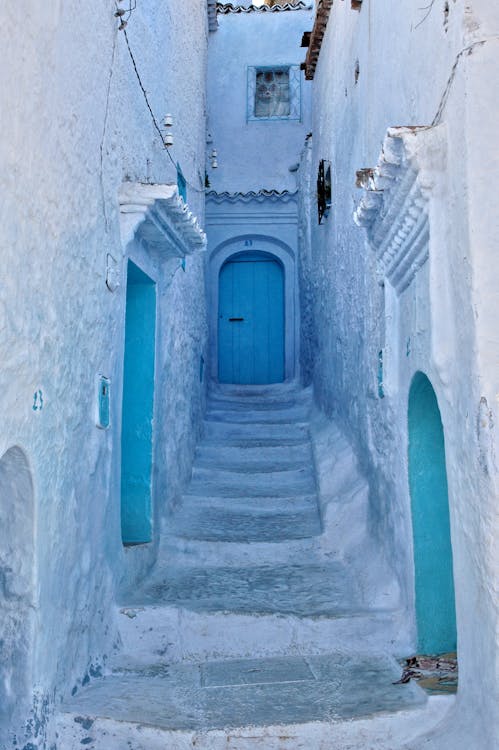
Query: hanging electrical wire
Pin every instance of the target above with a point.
(157, 127)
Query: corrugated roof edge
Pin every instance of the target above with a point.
(251, 195)
(316, 37)
(226, 8)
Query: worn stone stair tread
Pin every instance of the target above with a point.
(246, 502)
(280, 433)
(271, 416)
(254, 458)
(259, 440)
(218, 403)
(262, 394)
(246, 693)
(237, 483)
(233, 525)
(298, 590)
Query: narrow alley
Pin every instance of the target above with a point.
(233, 629)
(249, 375)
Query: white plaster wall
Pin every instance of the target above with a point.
(253, 155)
(74, 127)
(412, 72)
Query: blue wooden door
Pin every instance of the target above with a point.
(251, 320)
(434, 577)
(138, 404)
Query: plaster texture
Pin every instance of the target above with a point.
(75, 128)
(415, 282)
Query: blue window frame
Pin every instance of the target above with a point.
(274, 93)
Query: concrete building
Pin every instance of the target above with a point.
(249, 375)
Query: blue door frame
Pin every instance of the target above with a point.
(251, 320)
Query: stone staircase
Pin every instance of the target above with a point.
(252, 631)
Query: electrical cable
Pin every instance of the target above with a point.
(153, 117)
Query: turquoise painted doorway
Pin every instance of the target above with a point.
(251, 320)
(138, 403)
(434, 580)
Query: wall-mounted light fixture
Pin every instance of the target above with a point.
(168, 136)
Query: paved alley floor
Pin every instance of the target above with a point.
(244, 622)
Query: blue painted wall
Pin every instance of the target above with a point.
(138, 402)
(251, 320)
(257, 153)
(434, 583)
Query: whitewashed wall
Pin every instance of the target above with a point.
(74, 127)
(413, 71)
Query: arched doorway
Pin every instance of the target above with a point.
(17, 591)
(251, 319)
(434, 582)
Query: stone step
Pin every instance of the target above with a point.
(261, 394)
(244, 524)
(312, 590)
(303, 701)
(199, 552)
(255, 404)
(254, 458)
(244, 483)
(251, 416)
(177, 633)
(255, 434)
(260, 505)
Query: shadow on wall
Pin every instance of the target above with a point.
(434, 581)
(17, 585)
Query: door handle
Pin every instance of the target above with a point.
(235, 320)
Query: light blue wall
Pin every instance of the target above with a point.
(138, 402)
(434, 583)
(254, 155)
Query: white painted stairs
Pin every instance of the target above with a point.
(256, 629)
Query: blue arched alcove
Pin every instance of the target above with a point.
(251, 319)
(434, 581)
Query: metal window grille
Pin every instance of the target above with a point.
(274, 93)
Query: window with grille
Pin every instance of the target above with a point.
(274, 93)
